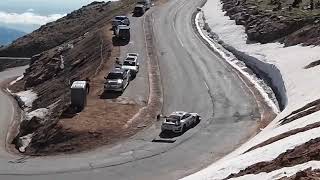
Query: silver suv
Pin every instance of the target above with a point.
(117, 80)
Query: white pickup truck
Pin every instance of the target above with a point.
(131, 63)
(180, 121)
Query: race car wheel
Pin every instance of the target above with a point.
(197, 119)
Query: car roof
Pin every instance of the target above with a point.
(132, 58)
(121, 17)
(178, 113)
(132, 54)
(118, 70)
(139, 5)
(123, 27)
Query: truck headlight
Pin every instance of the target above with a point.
(119, 81)
(177, 123)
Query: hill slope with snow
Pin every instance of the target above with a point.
(291, 142)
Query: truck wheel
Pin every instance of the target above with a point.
(197, 119)
(184, 129)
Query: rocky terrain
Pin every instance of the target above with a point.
(287, 21)
(72, 48)
(72, 26)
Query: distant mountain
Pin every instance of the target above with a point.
(8, 35)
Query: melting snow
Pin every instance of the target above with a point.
(15, 81)
(24, 142)
(27, 97)
(40, 113)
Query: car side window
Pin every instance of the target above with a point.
(186, 116)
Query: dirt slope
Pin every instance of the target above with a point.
(72, 26)
(72, 48)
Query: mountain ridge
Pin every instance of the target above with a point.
(8, 35)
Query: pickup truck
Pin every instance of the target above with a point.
(131, 63)
(122, 32)
(141, 7)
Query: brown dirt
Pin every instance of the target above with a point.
(308, 151)
(313, 64)
(284, 135)
(105, 118)
(307, 174)
(306, 110)
(301, 112)
(100, 123)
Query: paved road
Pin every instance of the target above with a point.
(138, 88)
(6, 108)
(194, 79)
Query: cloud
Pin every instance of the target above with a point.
(30, 10)
(27, 18)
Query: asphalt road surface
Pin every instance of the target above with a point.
(194, 79)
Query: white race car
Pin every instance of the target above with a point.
(180, 121)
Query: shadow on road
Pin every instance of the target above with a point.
(120, 42)
(137, 14)
(70, 112)
(110, 95)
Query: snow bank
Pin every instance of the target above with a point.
(27, 97)
(233, 61)
(296, 85)
(15, 81)
(289, 61)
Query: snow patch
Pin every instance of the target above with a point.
(24, 142)
(27, 97)
(40, 113)
(18, 79)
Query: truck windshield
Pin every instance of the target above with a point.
(120, 18)
(129, 63)
(124, 32)
(173, 118)
(114, 76)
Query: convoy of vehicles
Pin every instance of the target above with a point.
(131, 63)
(117, 80)
(179, 121)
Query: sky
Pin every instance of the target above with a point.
(28, 15)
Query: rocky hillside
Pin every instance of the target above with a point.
(73, 25)
(288, 21)
(72, 48)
